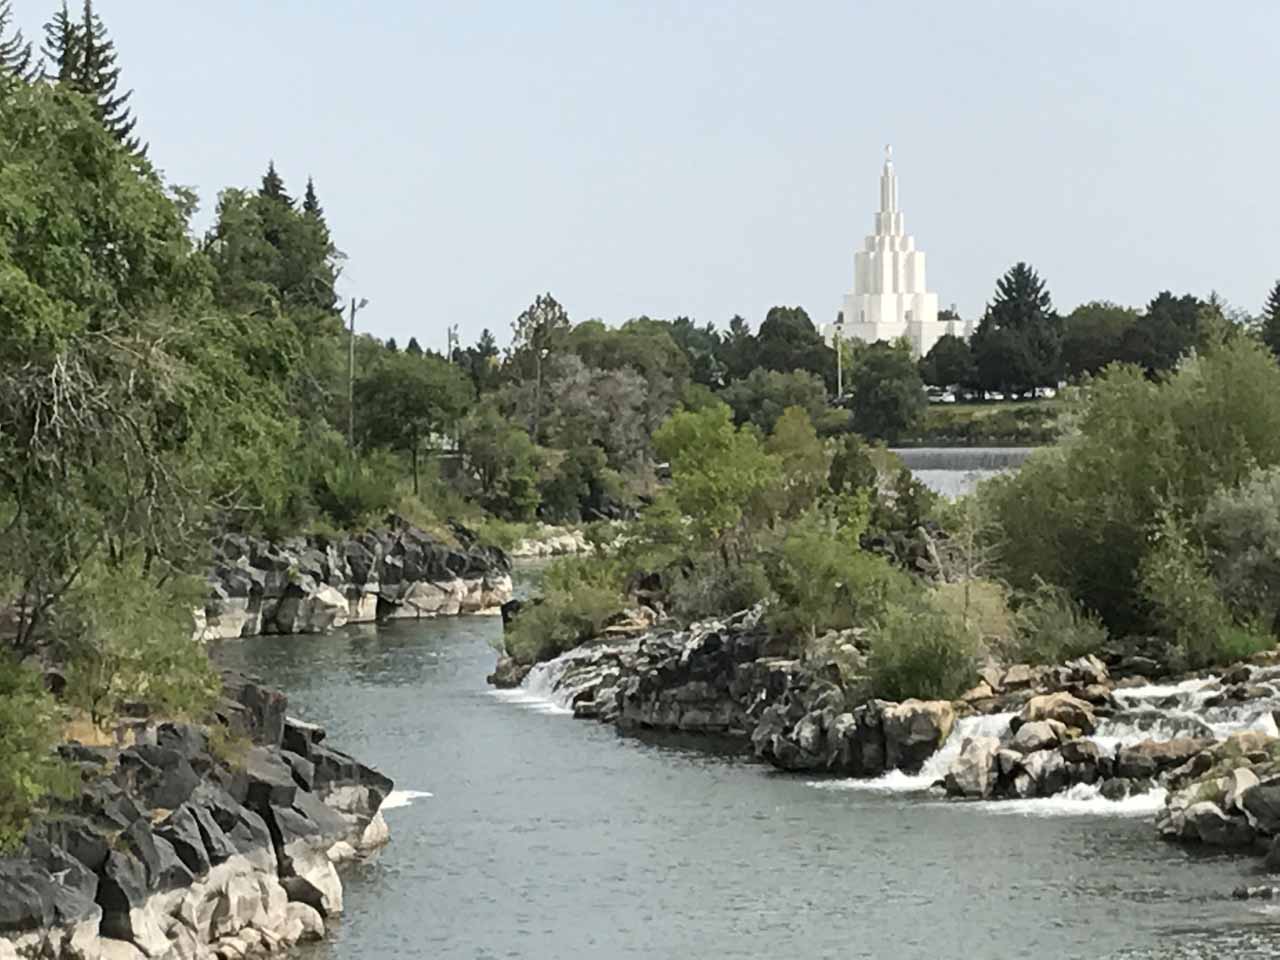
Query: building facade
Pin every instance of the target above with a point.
(890, 297)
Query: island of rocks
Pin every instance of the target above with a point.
(171, 849)
(313, 584)
(1204, 747)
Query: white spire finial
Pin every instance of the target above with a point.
(888, 153)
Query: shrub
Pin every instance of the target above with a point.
(126, 640)
(1052, 628)
(29, 728)
(354, 490)
(711, 588)
(919, 651)
(1185, 603)
(825, 581)
(982, 608)
(581, 595)
(1241, 528)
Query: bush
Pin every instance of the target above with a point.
(126, 640)
(982, 608)
(709, 588)
(1185, 604)
(1241, 528)
(1052, 628)
(353, 491)
(919, 651)
(825, 581)
(581, 595)
(29, 728)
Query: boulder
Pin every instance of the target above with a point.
(1151, 757)
(1238, 781)
(1042, 774)
(1068, 710)
(914, 730)
(1206, 822)
(974, 772)
(1261, 805)
(1039, 735)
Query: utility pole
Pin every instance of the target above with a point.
(351, 373)
(839, 357)
(452, 342)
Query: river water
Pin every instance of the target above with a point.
(546, 837)
(953, 471)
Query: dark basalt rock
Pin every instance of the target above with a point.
(181, 831)
(159, 776)
(161, 864)
(27, 896)
(122, 888)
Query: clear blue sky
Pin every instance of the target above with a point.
(711, 158)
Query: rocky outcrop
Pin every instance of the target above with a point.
(173, 851)
(314, 584)
(550, 542)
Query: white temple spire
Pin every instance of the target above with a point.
(890, 298)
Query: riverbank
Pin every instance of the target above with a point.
(182, 841)
(1202, 752)
(993, 423)
(318, 583)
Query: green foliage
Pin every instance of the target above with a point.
(948, 363)
(355, 490)
(919, 651)
(1094, 335)
(1018, 343)
(888, 394)
(709, 587)
(1019, 422)
(405, 403)
(1270, 329)
(1175, 580)
(30, 726)
(1080, 515)
(501, 462)
(17, 60)
(823, 579)
(802, 460)
(1241, 531)
(1167, 331)
(580, 596)
(789, 342)
(762, 396)
(720, 475)
(1053, 629)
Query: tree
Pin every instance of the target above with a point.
(17, 60)
(1270, 330)
(391, 345)
(802, 460)
(763, 395)
(98, 78)
(406, 401)
(62, 46)
(1094, 335)
(1018, 344)
(888, 394)
(414, 349)
(948, 363)
(738, 351)
(273, 186)
(789, 341)
(540, 330)
(310, 202)
(1170, 327)
(502, 462)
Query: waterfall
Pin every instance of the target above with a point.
(542, 690)
(963, 459)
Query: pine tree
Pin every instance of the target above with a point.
(273, 186)
(391, 345)
(413, 347)
(98, 78)
(62, 47)
(16, 56)
(1271, 320)
(1018, 343)
(310, 203)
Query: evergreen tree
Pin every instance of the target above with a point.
(16, 57)
(97, 77)
(273, 186)
(1018, 344)
(62, 47)
(310, 203)
(413, 347)
(1271, 320)
(391, 345)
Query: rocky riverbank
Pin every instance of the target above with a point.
(186, 843)
(316, 583)
(1202, 750)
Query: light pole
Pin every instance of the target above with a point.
(351, 373)
(537, 391)
(839, 357)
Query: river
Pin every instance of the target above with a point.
(953, 471)
(545, 837)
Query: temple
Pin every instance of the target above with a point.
(889, 298)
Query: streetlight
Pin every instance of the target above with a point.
(539, 356)
(839, 325)
(351, 373)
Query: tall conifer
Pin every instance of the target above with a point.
(1271, 320)
(98, 78)
(62, 47)
(310, 202)
(16, 56)
(273, 186)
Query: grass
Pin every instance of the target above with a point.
(994, 421)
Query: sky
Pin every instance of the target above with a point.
(714, 158)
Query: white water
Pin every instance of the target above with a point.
(935, 768)
(1083, 799)
(403, 798)
(541, 691)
